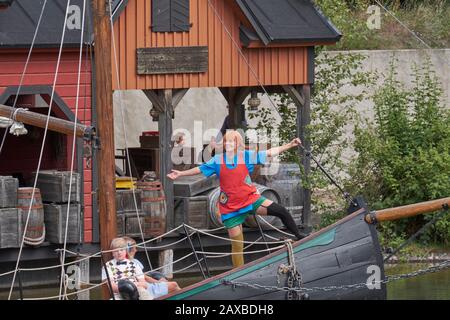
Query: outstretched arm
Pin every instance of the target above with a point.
(277, 150)
(191, 172)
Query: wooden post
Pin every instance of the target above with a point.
(303, 123)
(301, 95)
(165, 159)
(84, 277)
(166, 259)
(105, 124)
(165, 102)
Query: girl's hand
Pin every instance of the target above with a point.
(174, 174)
(295, 143)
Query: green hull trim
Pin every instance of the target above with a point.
(322, 240)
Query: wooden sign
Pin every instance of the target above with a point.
(172, 60)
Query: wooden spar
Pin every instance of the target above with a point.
(407, 211)
(40, 120)
(105, 124)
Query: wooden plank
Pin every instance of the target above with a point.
(172, 60)
(8, 192)
(165, 135)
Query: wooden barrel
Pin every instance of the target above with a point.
(35, 228)
(153, 203)
(214, 213)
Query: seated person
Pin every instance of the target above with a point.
(124, 273)
(158, 285)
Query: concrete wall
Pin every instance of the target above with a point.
(209, 106)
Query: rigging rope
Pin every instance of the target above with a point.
(42, 147)
(73, 147)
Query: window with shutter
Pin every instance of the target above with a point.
(170, 16)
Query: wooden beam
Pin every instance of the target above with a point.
(105, 121)
(40, 120)
(301, 96)
(305, 120)
(178, 96)
(165, 154)
(153, 96)
(295, 94)
(241, 95)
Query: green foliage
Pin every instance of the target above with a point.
(428, 19)
(404, 156)
(330, 112)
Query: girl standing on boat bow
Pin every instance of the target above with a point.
(239, 198)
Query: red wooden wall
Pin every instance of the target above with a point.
(227, 67)
(41, 71)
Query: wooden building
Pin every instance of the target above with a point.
(164, 47)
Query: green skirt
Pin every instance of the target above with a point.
(237, 220)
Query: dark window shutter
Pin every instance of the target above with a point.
(161, 15)
(180, 15)
(170, 15)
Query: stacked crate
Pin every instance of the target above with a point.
(10, 220)
(54, 186)
(126, 211)
(192, 201)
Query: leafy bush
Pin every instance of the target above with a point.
(404, 156)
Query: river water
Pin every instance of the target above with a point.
(433, 286)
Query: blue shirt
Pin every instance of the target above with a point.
(251, 158)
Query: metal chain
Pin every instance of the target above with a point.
(436, 268)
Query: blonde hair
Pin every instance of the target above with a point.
(118, 243)
(236, 137)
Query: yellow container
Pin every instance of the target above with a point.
(125, 183)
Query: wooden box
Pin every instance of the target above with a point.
(192, 211)
(54, 186)
(8, 191)
(125, 201)
(143, 159)
(10, 228)
(149, 141)
(151, 226)
(194, 185)
(120, 225)
(55, 223)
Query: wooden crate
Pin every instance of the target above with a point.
(54, 186)
(8, 191)
(151, 226)
(55, 223)
(10, 228)
(143, 159)
(120, 225)
(192, 211)
(149, 141)
(125, 201)
(194, 185)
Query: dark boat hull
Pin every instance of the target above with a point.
(345, 253)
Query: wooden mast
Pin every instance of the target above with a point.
(105, 124)
(411, 210)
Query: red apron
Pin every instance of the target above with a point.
(236, 189)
